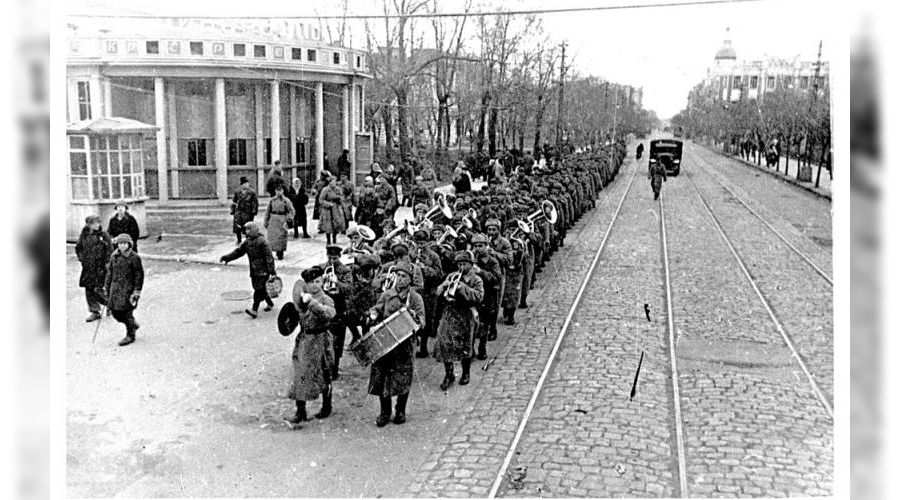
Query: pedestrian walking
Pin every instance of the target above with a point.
(657, 175)
(392, 374)
(279, 213)
(124, 282)
(299, 198)
(640, 151)
(331, 211)
(276, 179)
(93, 249)
(348, 193)
(244, 207)
(343, 164)
(124, 223)
(320, 184)
(313, 354)
(262, 266)
(491, 274)
(461, 293)
(367, 205)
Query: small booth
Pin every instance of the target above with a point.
(106, 161)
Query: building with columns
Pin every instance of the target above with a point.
(228, 99)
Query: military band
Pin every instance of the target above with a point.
(460, 261)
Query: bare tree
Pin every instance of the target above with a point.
(445, 69)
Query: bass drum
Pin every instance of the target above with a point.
(384, 337)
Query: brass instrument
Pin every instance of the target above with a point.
(390, 279)
(547, 212)
(447, 232)
(453, 280)
(329, 281)
(441, 207)
(523, 229)
(395, 232)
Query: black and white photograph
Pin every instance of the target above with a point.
(462, 248)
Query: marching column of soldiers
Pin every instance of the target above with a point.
(452, 269)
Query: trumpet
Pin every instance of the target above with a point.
(453, 280)
(390, 279)
(330, 281)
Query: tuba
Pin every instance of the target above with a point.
(447, 232)
(441, 207)
(523, 229)
(547, 212)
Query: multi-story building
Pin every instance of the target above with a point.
(227, 99)
(730, 79)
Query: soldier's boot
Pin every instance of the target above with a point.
(129, 339)
(482, 349)
(466, 365)
(385, 416)
(300, 415)
(400, 409)
(326, 404)
(448, 376)
(335, 369)
(492, 332)
(423, 346)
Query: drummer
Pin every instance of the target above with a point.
(392, 374)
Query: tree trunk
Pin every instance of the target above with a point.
(538, 123)
(403, 122)
(388, 132)
(485, 102)
(492, 133)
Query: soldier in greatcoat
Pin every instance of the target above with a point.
(313, 353)
(332, 219)
(338, 288)
(657, 175)
(430, 265)
(262, 266)
(244, 207)
(459, 320)
(93, 249)
(499, 248)
(488, 269)
(512, 290)
(392, 374)
(124, 282)
(279, 212)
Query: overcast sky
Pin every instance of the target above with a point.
(665, 50)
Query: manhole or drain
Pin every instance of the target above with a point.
(236, 295)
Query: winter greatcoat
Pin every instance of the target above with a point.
(491, 275)
(459, 319)
(349, 199)
(279, 212)
(512, 287)
(313, 355)
(93, 250)
(392, 374)
(365, 210)
(128, 225)
(244, 207)
(299, 201)
(331, 211)
(124, 276)
(657, 176)
(258, 254)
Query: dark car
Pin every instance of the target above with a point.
(667, 152)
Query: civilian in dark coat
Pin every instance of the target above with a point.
(262, 265)
(343, 164)
(367, 205)
(124, 282)
(93, 249)
(124, 223)
(276, 179)
(392, 374)
(244, 207)
(299, 198)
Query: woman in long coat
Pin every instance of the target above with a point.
(392, 374)
(313, 355)
(331, 212)
(459, 319)
(93, 249)
(279, 212)
(299, 199)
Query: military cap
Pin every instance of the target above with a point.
(404, 268)
(333, 251)
(397, 242)
(492, 222)
(365, 261)
(421, 234)
(464, 256)
(420, 206)
(480, 238)
(311, 274)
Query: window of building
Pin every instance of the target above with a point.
(237, 151)
(336, 57)
(196, 152)
(804, 82)
(259, 51)
(770, 82)
(196, 48)
(737, 81)
(84, 100)
(300, 151)
(267, 150)
(240, 50)
(311, 55)
(358, 61)
(153, 47)
(106, 167)
(788, 81)
(754, 82)
(296, 54)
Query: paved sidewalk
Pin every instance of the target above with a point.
(824, 189)
(200, 232)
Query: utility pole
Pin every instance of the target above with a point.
(615, 110)
(815, 97)
(559, 107)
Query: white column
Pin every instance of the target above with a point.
(162, 162)
(221, 143)
(275, 96)
(96, 96)
(172, 114)
(345, 95)
(292, 134)
(260, 143)
(353, 129)
(106, 90)
(320, 130)
(362, 107)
